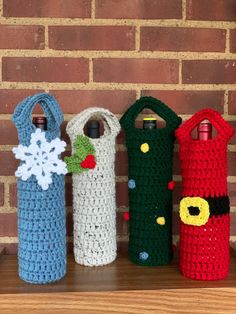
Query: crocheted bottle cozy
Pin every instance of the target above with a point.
(204, 208)
(150, 154)
(94, 204)
(41, 213)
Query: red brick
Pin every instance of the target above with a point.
(1, 194)
(92, 37)
(177, 193)
(72, 101)
(209, 71)
(68, 194)
(211, 10)
(69, 224)
(139, 9)
(45, 69)
(8, 164)
(8, 225)
(21, 37)
(233, 139)
(136, 70)
(232, 102)
(13, 194)
(182, 39)
(231, 163)
(9, 98)
(10, 248)
(232, 193)
(47, 8)
(121, 163)
(189, 102)
(233, 224)
(176, 164)
(232, 40)
(175, 223)
(8, 133)
(122, 198)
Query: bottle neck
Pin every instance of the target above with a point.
(204, 131)
(149, 123)
(40, 122)
(93, 129)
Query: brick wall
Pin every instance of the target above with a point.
(108, 53)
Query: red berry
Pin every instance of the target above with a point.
(126, 216)
(171, 185)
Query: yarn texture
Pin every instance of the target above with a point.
(150, 154)
(204, 208)
(41, 212)
(94, 203)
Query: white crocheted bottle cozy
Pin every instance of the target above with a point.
(94, 202)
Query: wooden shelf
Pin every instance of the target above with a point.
(120, 287)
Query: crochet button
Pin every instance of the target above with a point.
(144, 148)
(143, 256)
(131, 184)
(161, 221)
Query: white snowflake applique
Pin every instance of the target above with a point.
(40, 159)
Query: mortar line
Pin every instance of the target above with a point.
(1, 8)
(116, 86)
(93, 9)
(6, 195)
(187, 55)
(184, 10)
(180, 71)
(227, 41)
(138, 93)
(137, 38)
(129, 22)
(46, 37)
(226, 94)
(90, 70)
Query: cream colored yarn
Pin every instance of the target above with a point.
(94, 202)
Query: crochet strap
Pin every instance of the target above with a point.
(128, 119)
(224, 130)
(22, 116)
(23, 111)
(76, 125)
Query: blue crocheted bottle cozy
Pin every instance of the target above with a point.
(41, 211)
(150, 154)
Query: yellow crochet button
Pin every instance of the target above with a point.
(144, 148)
(161, 221)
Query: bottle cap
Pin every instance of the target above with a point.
(149, 123)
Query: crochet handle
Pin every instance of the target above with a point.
(23, 112)
(224, 130)
(76, 125)
(171, 118)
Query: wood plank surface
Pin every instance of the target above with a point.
(120, 287)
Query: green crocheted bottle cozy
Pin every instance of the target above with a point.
(150, 154)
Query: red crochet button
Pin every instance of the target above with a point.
(171, 185)
(89, 162)
(126, 216)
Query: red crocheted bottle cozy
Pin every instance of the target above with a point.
(204, 207)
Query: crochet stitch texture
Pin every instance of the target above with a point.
(150, 154)
(94, 204)
(204, 208)
(41, 213)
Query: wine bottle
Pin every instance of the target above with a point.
(40, 122)
(93, 129)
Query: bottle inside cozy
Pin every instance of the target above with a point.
(149, 123)
(93, 129)
(40, 122)
(204, 131)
